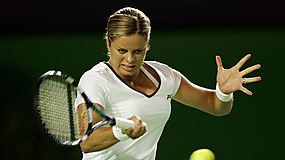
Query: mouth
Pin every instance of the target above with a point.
(128, 67)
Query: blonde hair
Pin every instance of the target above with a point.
(127, 21)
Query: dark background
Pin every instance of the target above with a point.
(186, 34)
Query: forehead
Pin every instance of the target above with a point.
(132, 41)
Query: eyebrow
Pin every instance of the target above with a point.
(142, 48)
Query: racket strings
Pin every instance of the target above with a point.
(55, 112)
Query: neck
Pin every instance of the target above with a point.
(132, 80)
(129, 79)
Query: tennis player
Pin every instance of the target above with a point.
(128, 86)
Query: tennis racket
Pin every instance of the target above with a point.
(54, 100)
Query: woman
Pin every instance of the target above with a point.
(130, 87)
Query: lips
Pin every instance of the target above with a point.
(128, 67)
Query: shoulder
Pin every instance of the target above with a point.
(157, 64)
(169, 76)
(97, 72)
(162, 67)
(94, 83)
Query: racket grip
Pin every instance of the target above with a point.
(124, 123)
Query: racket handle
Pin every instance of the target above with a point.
(124, 123)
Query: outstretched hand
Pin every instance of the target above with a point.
(231, 80)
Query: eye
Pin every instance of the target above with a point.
(138, 51)
(122, 51)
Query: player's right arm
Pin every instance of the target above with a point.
(103, 138)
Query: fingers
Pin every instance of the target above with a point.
(219, 63)
(246, 91)
(233, 77)
(250, 80)
(243, 60)
(250, 69)
(139, 129)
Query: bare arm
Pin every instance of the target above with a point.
(229, 80)
(103, 137)
(201, 98)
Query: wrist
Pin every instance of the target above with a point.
(118, 134)
(223, 96)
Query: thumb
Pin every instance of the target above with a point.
(219, 63)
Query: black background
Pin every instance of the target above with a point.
(89, 15)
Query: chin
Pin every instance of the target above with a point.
(128, 72)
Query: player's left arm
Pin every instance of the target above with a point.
(201, 98)
(228, 80)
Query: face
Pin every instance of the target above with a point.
(127, 54)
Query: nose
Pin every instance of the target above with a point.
(130, 57)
